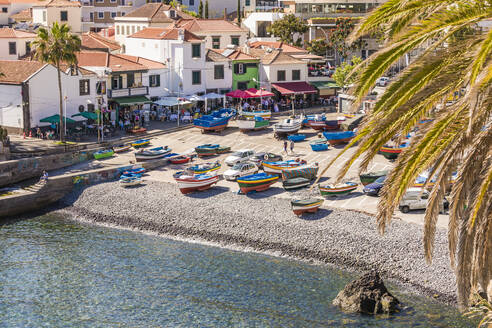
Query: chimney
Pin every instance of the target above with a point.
(225, 13)
(181, 34)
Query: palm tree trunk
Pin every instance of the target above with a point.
(61, 125)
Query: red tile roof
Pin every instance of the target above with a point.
(10, 33)
(237, 55)
(91, 40)
(16, 71)
(209, 25)
(58, 3)
(286, 48)
(156, 12)
(23, 16)
(117, 63)
(160, 33)
(4, 2)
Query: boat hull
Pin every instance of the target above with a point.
(295, 183)
(319, 147)
(368, 178)
(390, 153)
(264, 115)
(121, 149)
(273, 169)
(216, 128)
(103, 154)
(258, 186)
(180, 159)
(308, 208)
(190, 185)
(339, 141)
(336, 191)
(251, 125)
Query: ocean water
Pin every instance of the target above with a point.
(59, 273)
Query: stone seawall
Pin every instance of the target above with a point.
(58, 186)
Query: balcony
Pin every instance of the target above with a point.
(128, 92)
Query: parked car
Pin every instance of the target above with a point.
(417, 199)
(374, 188)
(240, 156)
(239, 170)
(382, 81)
(258, 158)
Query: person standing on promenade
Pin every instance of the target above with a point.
(292, 146)
(285, 146)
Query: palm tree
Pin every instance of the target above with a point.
(454, 58)
(58, 47)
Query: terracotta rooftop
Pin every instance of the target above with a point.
(91, 40)
(16, 71)
(214, 56)
(10, 33)
(237, 54)
(117, 63)
(33, 2)
(208, 25)
(4, 2)
(156, 13)
(22, 16)
(286, 48)
(58, 3)
(160, 33)
(272, 57)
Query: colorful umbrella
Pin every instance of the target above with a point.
(239, 94)
(56, 119)
(88, 115)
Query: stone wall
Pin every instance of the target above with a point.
(57, 187)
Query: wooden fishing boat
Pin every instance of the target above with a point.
(277, 167)
(311, 205)
(216, 121)
(297, 137)
(256, 182)
(204, 168)
(137, 170)
(181, 159)
(141, 143)
(295, 183)
(206, 150)
(321, 123)
(336, 190)
(223, 149)
(390, 152)
(318, 146)
(130, 181)
(252, 123)
(336, 138)
(370, 177)
(305, 171)
(287, 126)
(103, 154)
(197, 182)
(265, 114)
(154, 153)
(121, 148)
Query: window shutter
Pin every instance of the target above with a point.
(158, 81)
(236, 68)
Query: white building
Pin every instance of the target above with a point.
(218, 73)
(12, 7)
(26, 97)
(148, 15)
(15, 43)
(258, 22)
(215, 7)
(182, 51)
(61, 11)
(217, 33)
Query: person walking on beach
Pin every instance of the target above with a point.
(285, 146)
(292, 146)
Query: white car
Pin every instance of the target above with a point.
(240, 170)
(240, 156)
(382, 81)
(417, 199)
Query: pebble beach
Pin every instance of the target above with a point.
(265, 223)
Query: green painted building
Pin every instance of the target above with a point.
(245, 69)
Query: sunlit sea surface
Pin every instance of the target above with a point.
(59, 273)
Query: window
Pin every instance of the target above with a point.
(235, 40)
(247, 3)
(172, 13)
(112, 1)
(196, 50)
(100, 15)
(196, 77)
(12, 48)
(113, 15)
(296, 74)
(117, 82)
(154, 81)
(128, 30)
(63, 15)
(4, 9)
(216, 42)
(99, 1)
(117, 29)
(191, 2)
(219, 72)
(44, 16)
(28, 47)
(280, 75)
(133, 29)
(84, 87)
(101, 87)
(123, 14)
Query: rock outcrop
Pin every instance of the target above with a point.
(368, 294)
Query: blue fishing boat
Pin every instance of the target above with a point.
(130, 181)
(141, 143)
(335, 138)
(138, 170)
(256, 182)
(154, 153)
(277, 167)
(216, 121)
(319, 144)
(297, 137)
(130, 175)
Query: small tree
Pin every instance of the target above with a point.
(206, 9)
(285, 28)
(343, 75)
(57, 46)
(317, 47)
(200, 9)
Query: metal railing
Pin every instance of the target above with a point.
(127, 92)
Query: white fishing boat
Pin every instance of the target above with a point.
(188, 183)
(251, 123)
(265, 114)
(287, 126)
